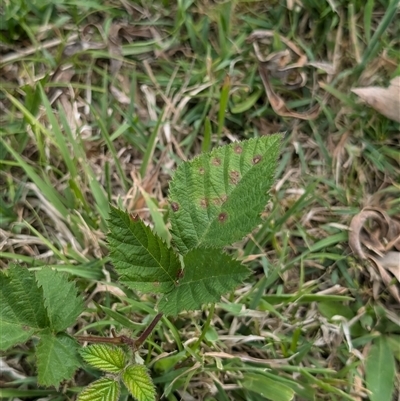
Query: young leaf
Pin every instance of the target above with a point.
(104, 389)
(380, 371)
(57, 358)
(62, 304)
(217, 198)
(138, 382)
(267, 387)
(105, 357)
(208, 274)
(142, 259)
(22, 312)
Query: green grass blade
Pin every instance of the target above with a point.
(47, 190)
(223, 104)
(151, 145)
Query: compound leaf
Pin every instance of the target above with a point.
(105, 357)
(138, 382)
(104, 389)
(143, 261)
(380, 370)
(60, 298)
(217, 198)
(57, 358)
(22, 312)
(208, 274)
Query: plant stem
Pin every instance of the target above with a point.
(205, 328)
(120, 340)
(148, 330)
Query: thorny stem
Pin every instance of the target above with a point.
(120, 340)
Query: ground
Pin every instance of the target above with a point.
(101, 101)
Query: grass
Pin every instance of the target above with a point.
(101, 100)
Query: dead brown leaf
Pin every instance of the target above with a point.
(373, 236)
(279, 65)
(385, 101)
(279, 105)
(391, 262)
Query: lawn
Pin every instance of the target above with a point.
(101, 101)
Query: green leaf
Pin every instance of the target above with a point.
(105, 357)
(21, 307)
(380, 371)
(104, 389)
(217, 198)
(57, 358)
(60, 298)
(248, 102)
(266, 387)
(208, 274)
(142, 259)
(138, 382)
(393, 342)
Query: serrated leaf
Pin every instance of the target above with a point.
(138, 382)
(268, 388)
(57, 358)
(208, 274)
(21, 307)
(217, 198)
(380, 371)
(60, 298)
(104, 389)
(104, 357)
(143, 261)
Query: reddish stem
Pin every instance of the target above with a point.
(120, 340)
(148, 330)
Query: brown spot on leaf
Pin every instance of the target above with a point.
(203, 203)
(238, 149)
(201, 170)
(216, 161)
(234, 177)
(222, 217)
(174, 206)
(180, 274)
(220, 200)
(257, 159)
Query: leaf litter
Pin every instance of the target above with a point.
(279, 65)
(375, 236)
(385, 101)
